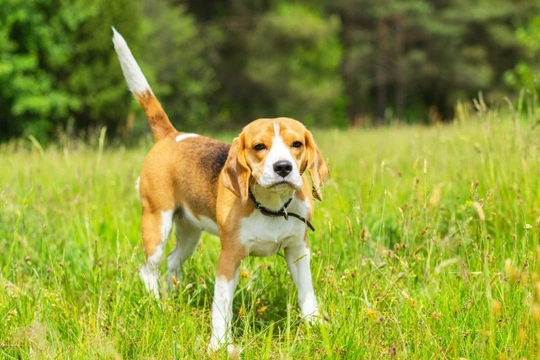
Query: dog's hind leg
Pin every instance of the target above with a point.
(187, 238)
(156, 228)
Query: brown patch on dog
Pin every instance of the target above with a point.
(159, 121)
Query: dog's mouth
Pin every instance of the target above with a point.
(275, 183)
(282, 185)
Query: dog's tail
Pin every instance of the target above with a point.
(159, 121)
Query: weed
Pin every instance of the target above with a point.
(426, 247)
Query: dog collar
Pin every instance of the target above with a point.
(282, 212)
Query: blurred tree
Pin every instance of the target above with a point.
(465, 51)
(181, 54)
(27, 47)
(56, 64)
(416, 58)
(377, 38)
(277, 58)
(93, 74)
(238, 97)
(526, 74)
(223, 63)
(294, 55)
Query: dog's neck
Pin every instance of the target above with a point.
(270, 199)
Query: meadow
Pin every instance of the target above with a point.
(426, 247)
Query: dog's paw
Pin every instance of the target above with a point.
(313, 319)
(234, 351)
(316, 319)
(216, 345)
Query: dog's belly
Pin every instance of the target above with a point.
(262, 235)
(201, 222)
(208, 225)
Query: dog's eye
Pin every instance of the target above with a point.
(259, 147)
(297, 144)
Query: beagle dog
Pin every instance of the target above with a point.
(254, 194)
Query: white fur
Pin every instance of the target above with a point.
(187, 238)
(209, 225)
(279, 151)
(150, 271)
(188, 233)
(202, 222)
(274, 198)
(259, 241)
(135, 79)
(276, 129)
(222, 312)
(166, 224)
(185, 136)
(290, 236)
(298, 259)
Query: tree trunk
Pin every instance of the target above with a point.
(400, 65)
(348, 73)
(381, 72)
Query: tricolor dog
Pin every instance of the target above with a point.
(254, 194)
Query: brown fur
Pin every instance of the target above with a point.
(159, 121)
(203, 184)
(212, 179)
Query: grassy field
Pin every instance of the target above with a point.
(427, 246)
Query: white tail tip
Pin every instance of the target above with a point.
(135, 79)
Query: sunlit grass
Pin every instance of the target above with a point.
(426, 247)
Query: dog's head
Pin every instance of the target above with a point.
(273, 154)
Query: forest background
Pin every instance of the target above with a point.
(217, 64)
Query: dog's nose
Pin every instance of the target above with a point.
(283, 168)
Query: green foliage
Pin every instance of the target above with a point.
(217, 65)
(414, 58)
(294, 54)
(425, 247)
(56, 64)
(180, 54)
(526, 74)
(27, 48)
(94, 76)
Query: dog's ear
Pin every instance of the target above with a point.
(236, 173)
(315, 165)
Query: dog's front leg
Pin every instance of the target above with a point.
(226, 281)
(298, 258)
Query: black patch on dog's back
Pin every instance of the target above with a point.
(214, 157)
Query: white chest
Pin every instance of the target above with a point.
(264, 235)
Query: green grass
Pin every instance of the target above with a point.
(427, 246)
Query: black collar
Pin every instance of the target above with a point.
(282, 212)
